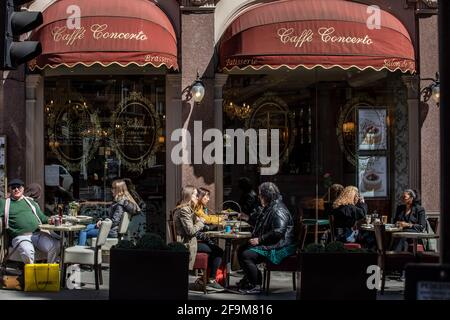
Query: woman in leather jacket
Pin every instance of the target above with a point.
(272, 238)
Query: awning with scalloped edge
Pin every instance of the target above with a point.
(108, 32)
(316, 33)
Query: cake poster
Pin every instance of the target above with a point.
(372, 176)
(372, 129)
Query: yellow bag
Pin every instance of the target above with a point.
(42, 277)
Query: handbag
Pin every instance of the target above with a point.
(42, 277)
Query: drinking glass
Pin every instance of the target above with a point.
(384, 219)
(368, 219)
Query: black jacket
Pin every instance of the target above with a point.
(274, 226)
(249, 202)
(417, 217)
(116, 211)
(345, 218)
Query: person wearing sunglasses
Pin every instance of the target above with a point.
(22, 216)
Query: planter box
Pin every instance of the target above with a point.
(138, 274)
(335, 276)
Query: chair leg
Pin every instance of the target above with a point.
(383, 280)
(100, 274)
(96, 277)
(205, 278)
(293, 281)
(268, 282)
(264, 279)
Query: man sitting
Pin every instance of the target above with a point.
(22, 217)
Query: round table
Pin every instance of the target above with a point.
(228, 237)
(415, 236)
(70, 229)
(369, 227)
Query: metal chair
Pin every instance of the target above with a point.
(389, 260)
(86, 255)
(289, 264)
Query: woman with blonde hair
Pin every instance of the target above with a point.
(348, 208)
(122, 202)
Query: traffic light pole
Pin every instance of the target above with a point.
(444, 107)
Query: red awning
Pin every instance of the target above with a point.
(316, 33)
(110, 32)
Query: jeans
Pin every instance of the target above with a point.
(91, 231)
(214, 257)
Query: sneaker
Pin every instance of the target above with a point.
(213, 285)
(254, 290)
(197, 285)
(243, 283)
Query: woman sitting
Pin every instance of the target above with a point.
(205, 244)
(201, 209)
(410, 216)
(122, 202)
(187, 224)
(348, 208)
(272, 239)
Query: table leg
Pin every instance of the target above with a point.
(415, 247)
(227, 261)
(61, 261)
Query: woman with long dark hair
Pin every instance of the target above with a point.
(410, 216)
(204, 243)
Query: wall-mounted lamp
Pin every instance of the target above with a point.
(348, 128)
(198, 90)
(432, 90)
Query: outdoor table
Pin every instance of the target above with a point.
(241, 224)
(70, 229)
(415, 236)
(78, 219)
(388, 228)
(228, 237)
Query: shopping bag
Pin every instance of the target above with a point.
(42, 277)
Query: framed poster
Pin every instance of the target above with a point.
(372, 128)
(2, 166)
(372, 176)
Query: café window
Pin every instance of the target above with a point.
(98, 129)
(334, 127)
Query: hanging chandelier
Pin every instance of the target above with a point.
(235, 111)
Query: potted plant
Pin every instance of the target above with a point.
(333, 272)
(148, 269)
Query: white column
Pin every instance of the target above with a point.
(34, 131)
(173, 122)
(219, 81)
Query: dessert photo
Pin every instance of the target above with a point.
(372, 129)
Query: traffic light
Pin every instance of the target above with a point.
(13, 24)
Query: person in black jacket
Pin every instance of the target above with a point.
(248, 201)
(272, 239)
(348, 208)
(410, 216)
(122, 202)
